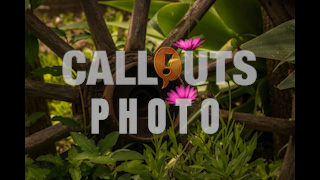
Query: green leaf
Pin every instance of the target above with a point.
(105, 145)
(54, 159)
(290, 59)
(102, 172)
(277, 43)
(35, 3)
(28, 160)
(288, 82)
(59, 32)
(241, 16)
(103, 160)
(132, 167)
(126, 154)
(32, 118)
(75, 173)
(31, 50)
(78, 37)
(54, 71)
(211, 27)
(76, 25)
(37, 173)
(125, 25)
(83, 142)
(125, 177)
(127, 5)
(66, 121)
(26, 4)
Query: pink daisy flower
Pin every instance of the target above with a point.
(190, 44)
(181, 93)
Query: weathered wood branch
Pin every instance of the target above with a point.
(52, 91)
(138, 26)
(50, 38)
(187, 23)
(262, 123)
(48, 136)
(98, 28)
(288, 165)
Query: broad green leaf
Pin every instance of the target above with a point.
(127, 5)
(125, 25)
(290, 59)
(105, 145)
(31, 50)
(126, 154)
(83, 142)
(54, 159)
(75, 173)
(66, 121)
(32, 118)
(277, 43)
(243, 17)
(210, 27)
(288, 82)
(54, 71)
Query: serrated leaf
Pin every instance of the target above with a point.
(84, 143)
(37, 173)
(54, 159)
(103, 160)
(102, 172)
(125, 177)
(105, 145)
(126, 154)
(75, 173)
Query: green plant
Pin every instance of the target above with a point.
(84, 159)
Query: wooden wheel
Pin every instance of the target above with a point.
(135, 41)
(103, 41)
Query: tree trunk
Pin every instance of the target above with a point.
(274, 13)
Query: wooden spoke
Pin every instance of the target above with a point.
(188, 21)
(52, 91)
(48, 136)
(138, 26)
(50, 38)
(212, 65)
(98, 28)
(262, 123)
